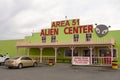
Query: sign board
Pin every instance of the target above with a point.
(80, 61)
(64, 23)
(69, 27)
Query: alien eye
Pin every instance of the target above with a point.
(105, 31)
(97, 30)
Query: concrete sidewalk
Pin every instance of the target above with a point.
(84, 67)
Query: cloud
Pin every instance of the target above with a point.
(19, 18)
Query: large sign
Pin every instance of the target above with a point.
(65, 23)
(71, 27)
(101, 30)
(80, 61)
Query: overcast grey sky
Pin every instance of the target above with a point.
(19, 18)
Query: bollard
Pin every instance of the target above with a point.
(51, 62)
(114, 64)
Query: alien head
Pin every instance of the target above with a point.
(101, 30)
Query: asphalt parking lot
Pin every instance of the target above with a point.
(60, 71)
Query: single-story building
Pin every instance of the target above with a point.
(69, 41)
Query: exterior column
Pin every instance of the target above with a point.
(111, 52)
(41, 55)
(90, 55)
(72, 48)
(55, 54)
(28, 51)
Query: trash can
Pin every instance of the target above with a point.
(114, 64)
(51, 62)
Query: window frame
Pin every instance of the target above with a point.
(65, 53)
(53, 39)
(110, 51)
(88, 36)
(76, 37)
(71, 52)
(43, 39)
(93, 54)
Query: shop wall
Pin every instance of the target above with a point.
(67, 38)
(34, 38)
(45, 52)
(48, 52)
(115, 35)
(34, 52)
(22, 52)
(61, 55)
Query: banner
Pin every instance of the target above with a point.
(80, 61)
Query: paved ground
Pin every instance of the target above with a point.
(60, 72)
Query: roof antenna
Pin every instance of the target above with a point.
(65, 17)
(109, 26)
(96, 24)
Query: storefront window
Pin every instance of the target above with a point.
(86, 53)
(59, 52)
(76, 37)
(114, 53)
(88, 37)
(75, 53)
(107, 53)
(53, 38)
(43, 39)
(104, 52)
(68, 52)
